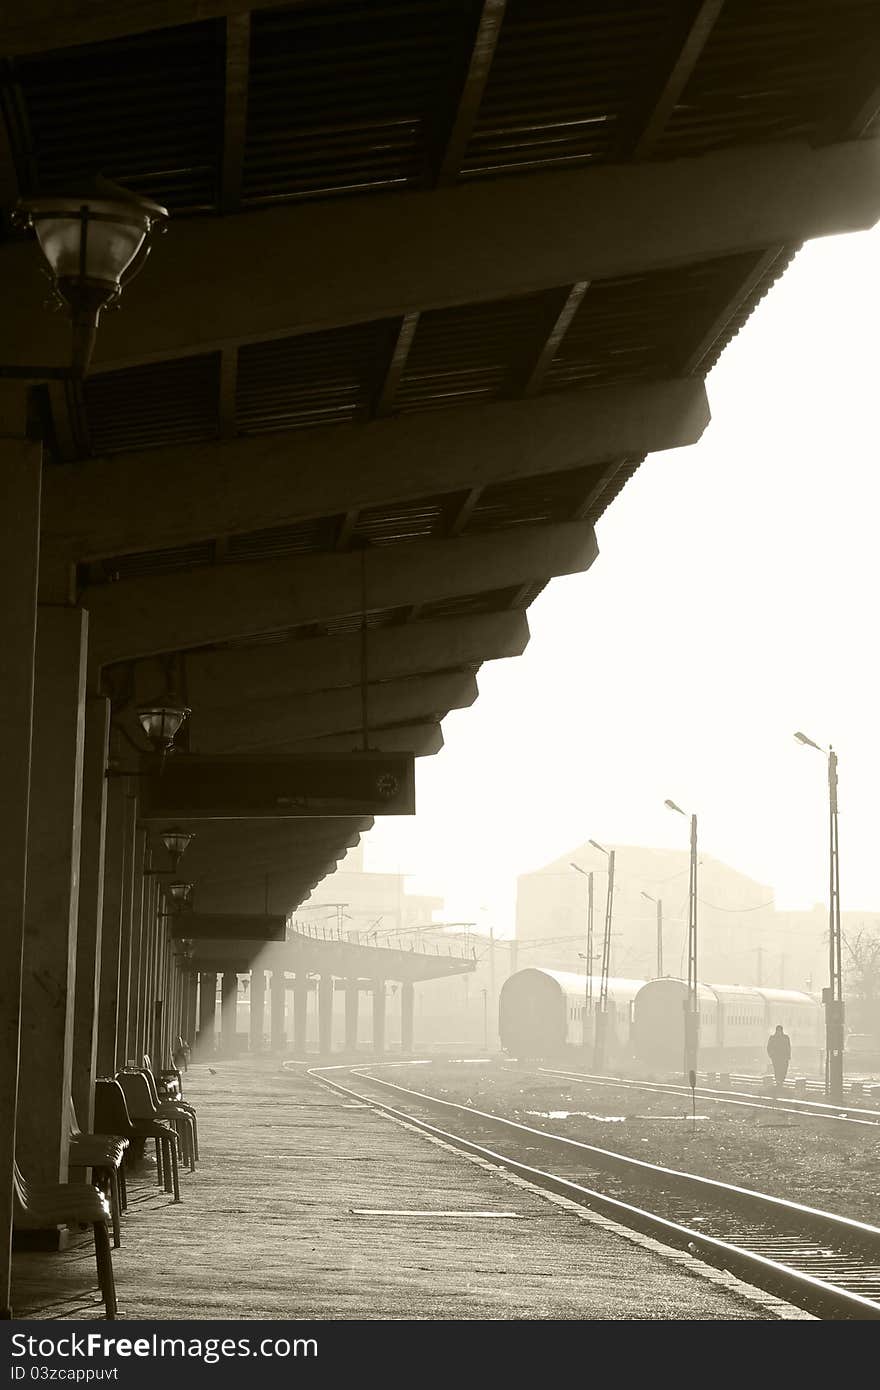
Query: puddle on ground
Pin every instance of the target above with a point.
(612, 1119)
(585, 1114)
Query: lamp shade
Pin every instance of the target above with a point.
(92, 238)
(176, 841)
(93, 244)
(179, 892)
(161, 722)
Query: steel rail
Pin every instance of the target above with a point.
(818, 1296)
(839, 1114)
(859, 1233)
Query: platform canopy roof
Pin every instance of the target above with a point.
(349, 956)
(439, 275)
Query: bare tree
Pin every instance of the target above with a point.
(863, 975)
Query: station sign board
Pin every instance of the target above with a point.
(193, 787)
(229, 926)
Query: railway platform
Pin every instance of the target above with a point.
(308, 1206)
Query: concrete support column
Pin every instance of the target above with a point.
(190, 997)
(162, 1007)
(407, 1002)
(378, 1016)
(207, 1011)
(52, 892)
(258, 1009)
(91, 907)
(155, 923)
(300, 1013)
(111, 933)
(126, 889)
(352, 1002)
(325, 1015)
(277, 1005)
(137, 911)
(19, 547)
(228, 1007)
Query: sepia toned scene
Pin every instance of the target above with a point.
(438, 660)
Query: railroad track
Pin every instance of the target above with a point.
(783, 1105)
(868, 1088)
(826, 1264)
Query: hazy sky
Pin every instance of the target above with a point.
(734, 600)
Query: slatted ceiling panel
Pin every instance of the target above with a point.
(153, 562)
(315, 379)
(395, 524)
(565, 78)
(775, 70)
(530, 501)
(489, 601)
(162, 403)
(744, 312)
(642, 326)
(344, 98)
(612, 489)
(352, 622)
(146, 111)
(305, 538)
(522, 598)
(475, 352)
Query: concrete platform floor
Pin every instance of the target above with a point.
(304, 1206)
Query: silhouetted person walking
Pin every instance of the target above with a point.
(779, 1052)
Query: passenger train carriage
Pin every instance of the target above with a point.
(735, 1023)
(542, 1014)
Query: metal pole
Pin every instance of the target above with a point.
(602, 1016)
(834, 1005)
(588, 986)
(659, 939)
(492, 990)
(692, 1004)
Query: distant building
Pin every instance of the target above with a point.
(742, 939)
(358, 901)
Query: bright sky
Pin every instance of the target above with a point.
(734, 600)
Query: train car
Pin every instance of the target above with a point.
(541, 1013)
(735, 1023)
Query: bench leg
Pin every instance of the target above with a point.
(115, 1207)
(104, 1261)
(160, 1165)
(189, 1148)
(175, 1174)
(123, 1187)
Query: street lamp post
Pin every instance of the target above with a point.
(832, 996)
(588, 986)
(659, 902)
(602, 1012)
(692, 1002)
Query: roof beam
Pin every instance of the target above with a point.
(422, 740)
(248, 728)
(698, 21)
(250, 893)
(240, 485)
(552, 342)
(397, 365)
(475, 77)
(140, 617)
(43, 25)
(394, 254)
(238, 48)
(333, 663)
